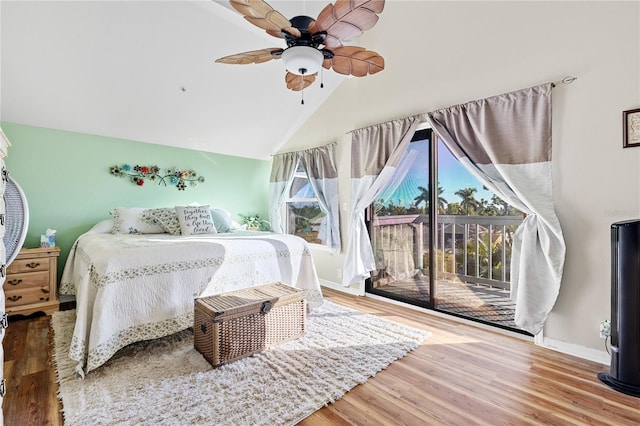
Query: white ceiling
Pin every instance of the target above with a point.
(145, 71)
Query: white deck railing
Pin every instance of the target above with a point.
(402, 243)
(481, 230)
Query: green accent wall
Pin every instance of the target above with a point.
(69, 187)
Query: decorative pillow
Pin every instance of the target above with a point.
(166, 217)
(128, 220)
(221, 220)
(102, 227)
(195, 220)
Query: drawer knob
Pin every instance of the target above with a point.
(14, 298)
(32, 265)
(14, 282)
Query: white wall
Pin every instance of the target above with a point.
(443, 53)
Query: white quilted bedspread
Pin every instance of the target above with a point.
(131, 288)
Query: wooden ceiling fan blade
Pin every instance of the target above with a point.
(356, 61)
(251, 57)
(346, 20)
(256, 8)
(273, 24)
(260, 14)
(298, 82)
(293, 31)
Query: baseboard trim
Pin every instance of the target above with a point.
(590, 354)
(340, 287)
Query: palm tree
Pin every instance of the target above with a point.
(453, 208)
(469, 203)
(501, 204)
(423, 197)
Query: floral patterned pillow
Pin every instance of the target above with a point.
(166, 217)
(128, 220)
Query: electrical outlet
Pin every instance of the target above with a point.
(605, 329)
(339, 273)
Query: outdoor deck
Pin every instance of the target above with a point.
(474, 301)
(472, 263)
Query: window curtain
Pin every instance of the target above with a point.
(320, 166)
(375, 154)
(283, 168)
(505, 141)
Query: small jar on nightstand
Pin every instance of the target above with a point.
(31, 283)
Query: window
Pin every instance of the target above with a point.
(302, 210)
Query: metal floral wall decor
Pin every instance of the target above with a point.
(167, 177)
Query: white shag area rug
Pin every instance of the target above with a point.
(167, 382)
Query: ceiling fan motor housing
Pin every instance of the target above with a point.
(303, 55)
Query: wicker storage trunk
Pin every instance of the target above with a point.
(237, 324)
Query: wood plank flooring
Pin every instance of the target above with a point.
(461, 375)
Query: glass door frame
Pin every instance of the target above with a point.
(423, 132)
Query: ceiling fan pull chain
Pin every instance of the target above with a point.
(302, 96)
(321, 78)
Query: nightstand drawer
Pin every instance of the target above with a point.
(26, 280)
(26, 296)
(31, 282)
(28, 265)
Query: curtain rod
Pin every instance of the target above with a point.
(389, 121)
(307, 149)
(566, 80)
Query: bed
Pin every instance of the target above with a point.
(135, 287)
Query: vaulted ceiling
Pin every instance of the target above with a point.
(145, 71)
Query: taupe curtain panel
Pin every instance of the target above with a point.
(375, 154)
(320, 167)
(505, 141)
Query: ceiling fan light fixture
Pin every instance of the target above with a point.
(302, 60)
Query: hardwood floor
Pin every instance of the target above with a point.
(461, 375)
(29, 373)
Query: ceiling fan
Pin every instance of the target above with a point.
(314, 43)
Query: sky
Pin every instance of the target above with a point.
(452, 176)
(403, 188)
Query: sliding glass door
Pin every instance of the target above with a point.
(400, 227)
(443, 246)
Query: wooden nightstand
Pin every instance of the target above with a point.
(31, 284)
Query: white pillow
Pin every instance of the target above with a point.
(195, 220)
(221, 220)
(128, 220)
(102, 227)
